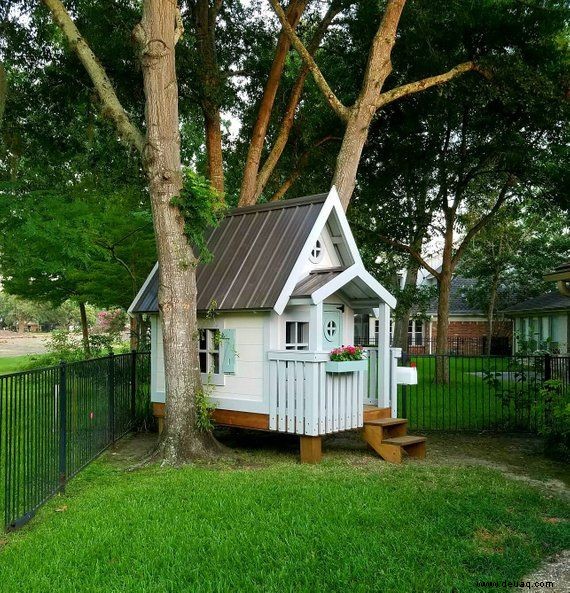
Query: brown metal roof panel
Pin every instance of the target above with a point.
(285, 248)
(254, 250)
(314, 281)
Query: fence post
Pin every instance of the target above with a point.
(112, 397)
(62, 426)
(133, 384)
(547, 366)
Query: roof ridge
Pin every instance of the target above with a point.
(290, 203)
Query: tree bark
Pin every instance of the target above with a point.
(3, 92)
(401, 337)
(294, 98)
(444, 286)
(211, 87)
(491, 312)
(249, 181)
(85, 329)
(181, 441)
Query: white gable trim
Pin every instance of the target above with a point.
(357, 270)
(142, 289)
(332, 203)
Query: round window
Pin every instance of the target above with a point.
(330, 330)
(317, 253)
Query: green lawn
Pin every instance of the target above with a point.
(469, 401)
(275, 526)
(12, 364)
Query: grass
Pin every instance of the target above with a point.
(13, 364)
(273, 526)
(468, 401)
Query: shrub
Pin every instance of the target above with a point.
(554, 419)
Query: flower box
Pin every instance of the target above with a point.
(346, 366)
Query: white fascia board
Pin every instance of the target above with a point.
(357, 270)
(335, 284)
(386, 296)
(344, 225)
(297, 270)
(142, 289)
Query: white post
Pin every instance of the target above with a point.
(383, 362)
(395, 354)
(316, 327)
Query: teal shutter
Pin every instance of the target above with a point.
(229, 351)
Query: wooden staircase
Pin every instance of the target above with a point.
(389, 436)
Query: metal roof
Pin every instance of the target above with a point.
(550, 301)
(254, 250)
(314, 281)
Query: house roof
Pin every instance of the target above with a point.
(550, 301)
(315, 280)
(458, 302)
(260, 255)
(561, 272)
(254, 250)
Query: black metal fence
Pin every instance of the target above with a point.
(456, 345)
(54, 421)
(475, 393)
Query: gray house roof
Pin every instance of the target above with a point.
(550, 301)
(458, 303)
(254, 250)
(314, 281)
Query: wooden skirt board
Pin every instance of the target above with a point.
(250, 420)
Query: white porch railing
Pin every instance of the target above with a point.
(305, 399)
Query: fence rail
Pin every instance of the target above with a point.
(456, 345)
(54, 421)
(476, 393)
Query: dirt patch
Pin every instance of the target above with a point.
(132, 449)
(556, 570)
(14, 344)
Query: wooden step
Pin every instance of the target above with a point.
(393, 449)
(404, 441)
(386, 421)
(374, 413)
(383, 428)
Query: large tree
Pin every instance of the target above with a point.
(156, 36)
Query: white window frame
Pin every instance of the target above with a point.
(317, 252)
(297, 345)
(413, 333)
(212, 349)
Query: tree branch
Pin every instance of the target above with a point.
(426, 83)
(341, 110)
(294, 98)
(112, 106)
(484, 220)
(3, 92)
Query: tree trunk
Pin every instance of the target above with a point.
(350, 152)
(491, 313)
(249, 181)
(401, 337)
(210, 79)
(3, 92)
(85, 329)
(181, 440)
(444, 285)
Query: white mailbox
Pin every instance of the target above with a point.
(406, 376)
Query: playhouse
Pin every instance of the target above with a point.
(281, 291)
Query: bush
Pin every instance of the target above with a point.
(555, 419)
(65, 346)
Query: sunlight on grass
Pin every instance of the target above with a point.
(284, 527)
(13, 364)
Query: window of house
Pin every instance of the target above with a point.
(361, 329)
(296, 335)
(376, 330)
(209, 351)
(317, 252)
(416, 332)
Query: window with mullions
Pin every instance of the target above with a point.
(415, 332)
(209, 351)
(296, 335)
